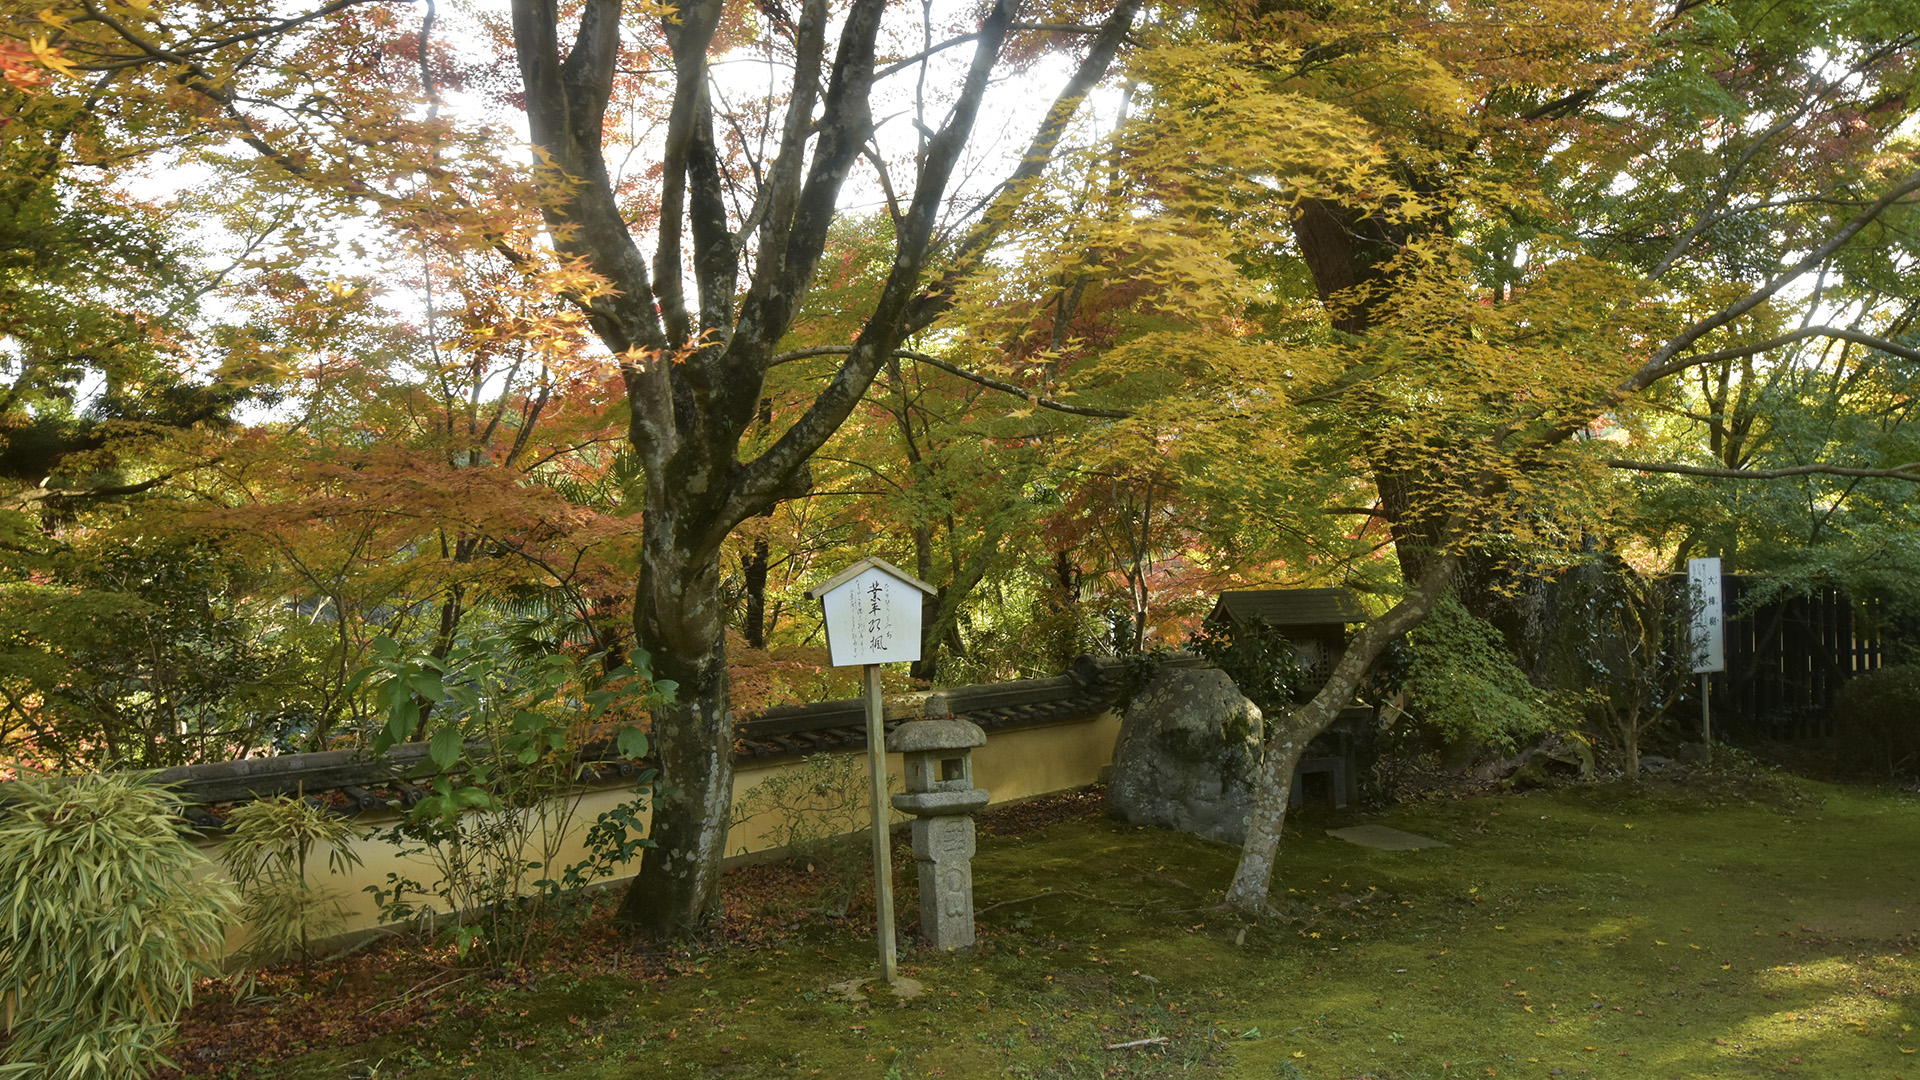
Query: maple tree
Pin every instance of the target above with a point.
(737, 224)
(694, 367)
(397, 501)
(410, 460)
(93, 289)
(1418, 154)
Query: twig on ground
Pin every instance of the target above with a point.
(380, 934)
(1157, 1040)
(1043, 895)
(415, 993)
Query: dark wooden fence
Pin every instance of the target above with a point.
(1787, 659)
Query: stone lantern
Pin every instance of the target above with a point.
(941, 796)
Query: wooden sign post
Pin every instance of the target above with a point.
(872, 612)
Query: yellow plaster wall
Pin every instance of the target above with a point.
(1013, 766)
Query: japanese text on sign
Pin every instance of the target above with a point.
(873, 619)
(1709, 618)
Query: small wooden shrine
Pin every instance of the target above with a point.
(1315, 621)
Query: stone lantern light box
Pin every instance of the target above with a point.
(939, 759)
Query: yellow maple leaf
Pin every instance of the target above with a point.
(50, 57)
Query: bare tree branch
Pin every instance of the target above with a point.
(970, 376)
(1843, 333)
(781, 467)
(1660, 363)
(1713, 212)
(1909, 471)
(21, 500)
(901, 65)
(1039, 153)
(149, 55)
(1060, 28)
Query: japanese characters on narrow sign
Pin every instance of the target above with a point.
(1709, 616)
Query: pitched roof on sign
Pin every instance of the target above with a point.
(861, 567)
(1291, 607)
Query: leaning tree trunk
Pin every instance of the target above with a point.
(1288, 739)
(1350, 252)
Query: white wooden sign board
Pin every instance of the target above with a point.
(1709, 616)
(872, 610)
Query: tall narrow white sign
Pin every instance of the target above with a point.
(1709, 615)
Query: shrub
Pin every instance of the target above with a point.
(821, 814)
(267, 857)
(507, 735)
(1260, 660)
(1637, 658)
(103, 926)
(1876, 718)
(1463, 682)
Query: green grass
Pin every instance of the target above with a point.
(1609, 931)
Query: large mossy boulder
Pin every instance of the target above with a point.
(1187, 757)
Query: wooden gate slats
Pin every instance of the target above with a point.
(1787, 660)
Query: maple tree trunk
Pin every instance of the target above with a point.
(928, 665)
(754, 570)
(680, 619)
(1350, 254)
(1630, 745)
(1287, 739)
(940, 613)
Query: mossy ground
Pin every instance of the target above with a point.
(1733, 927)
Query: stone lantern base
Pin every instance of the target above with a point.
(943, 854)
